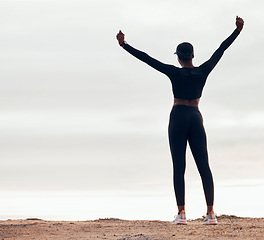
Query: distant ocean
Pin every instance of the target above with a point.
(244, 198)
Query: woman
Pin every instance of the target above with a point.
(186, 123)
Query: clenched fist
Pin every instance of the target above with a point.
(239, 23)
(120, 37)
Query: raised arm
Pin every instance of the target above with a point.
(161, 67)
(211, 63)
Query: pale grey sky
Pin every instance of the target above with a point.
(77, 112)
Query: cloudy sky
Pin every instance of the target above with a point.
(77, 112)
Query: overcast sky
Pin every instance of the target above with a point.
(77, 112)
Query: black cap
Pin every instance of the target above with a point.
(185, 51)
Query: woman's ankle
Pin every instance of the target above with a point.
(209, 209)
(181, 208)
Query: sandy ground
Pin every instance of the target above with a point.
(229, 227)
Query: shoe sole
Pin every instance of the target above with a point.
(210, 223)
(180, 223)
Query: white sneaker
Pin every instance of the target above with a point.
(180, 219)
(210, 219)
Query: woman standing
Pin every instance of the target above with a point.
(186, 123)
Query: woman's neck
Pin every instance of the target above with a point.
(187, 65)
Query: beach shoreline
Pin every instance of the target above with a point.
(229, 227)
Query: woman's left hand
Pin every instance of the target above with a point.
(120, 37)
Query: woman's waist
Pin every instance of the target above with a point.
(186, 102)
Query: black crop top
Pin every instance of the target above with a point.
(187, 83)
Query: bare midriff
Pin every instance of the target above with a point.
(186, 102)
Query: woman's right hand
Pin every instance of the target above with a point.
(239, 23)
(120, 37)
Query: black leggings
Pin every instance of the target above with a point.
(186, 124)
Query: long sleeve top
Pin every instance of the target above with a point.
(187, 83)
